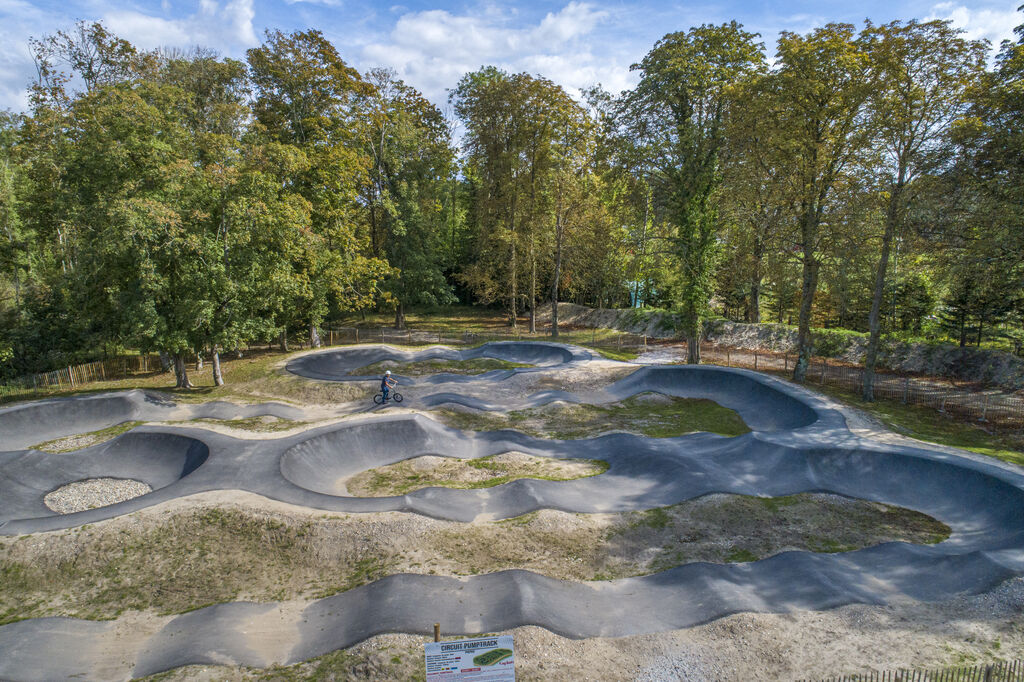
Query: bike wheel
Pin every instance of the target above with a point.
(378, 399)
(397, 397)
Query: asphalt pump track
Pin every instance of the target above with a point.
(798, 444)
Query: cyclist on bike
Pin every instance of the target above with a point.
(386, 384)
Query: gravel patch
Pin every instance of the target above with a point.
(93, 493)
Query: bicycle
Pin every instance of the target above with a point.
(392, 395)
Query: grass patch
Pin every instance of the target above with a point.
(429, 367)
(183, 563)
(84, 440)
(179, 562)
(740, 556)
(649, 414)
(927, 424)
(614, 354)
(261, 424)
(486, 472)
(253, 378)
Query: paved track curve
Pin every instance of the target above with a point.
(798, 444)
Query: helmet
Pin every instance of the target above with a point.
(387, 373)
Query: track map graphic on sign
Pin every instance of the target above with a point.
(485, 659)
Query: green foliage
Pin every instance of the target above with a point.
(184, 202)
(678, 111)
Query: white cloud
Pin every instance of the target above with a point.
(991, 24)
(18, 21)
(433, 49)
(213, 25)
(326, 3)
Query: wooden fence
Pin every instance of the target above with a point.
(992, 406)
(73, 376)
(1004, 671)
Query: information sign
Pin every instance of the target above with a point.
(485, 659)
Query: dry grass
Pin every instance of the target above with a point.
(177, 561)
(485, 472)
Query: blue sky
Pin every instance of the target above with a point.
(431, 44)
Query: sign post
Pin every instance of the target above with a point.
(484, 659)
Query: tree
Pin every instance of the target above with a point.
(678, 111)
(517, 127)
(818, 92)
(306, 97)
(755, 200)
(406, 138)
(922, 73)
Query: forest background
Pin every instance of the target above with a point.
(862, 178)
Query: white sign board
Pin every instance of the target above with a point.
(486, 659)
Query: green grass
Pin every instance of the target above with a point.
(927, 424)
(252, 378)
(648, 414)
(613, 354)
(740, 556)
(94, 438)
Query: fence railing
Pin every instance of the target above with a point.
(995, 407)
(1003, 671)
(74, 376)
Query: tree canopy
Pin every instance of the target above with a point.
(178, 201)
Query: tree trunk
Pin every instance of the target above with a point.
(314, 336)
(754, 312)
(165, 361)
(533, 292)
(181, 372)
(874, 319)
(199, 361)
(218, 377)
(284, 340)
(693, 337)
(400, 316)
(808, 288)
(515, 292)
(558, 275)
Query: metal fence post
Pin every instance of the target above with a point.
(984, 408)
(728, 358)
(906, 389)
(824, 366)
(755, 360)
